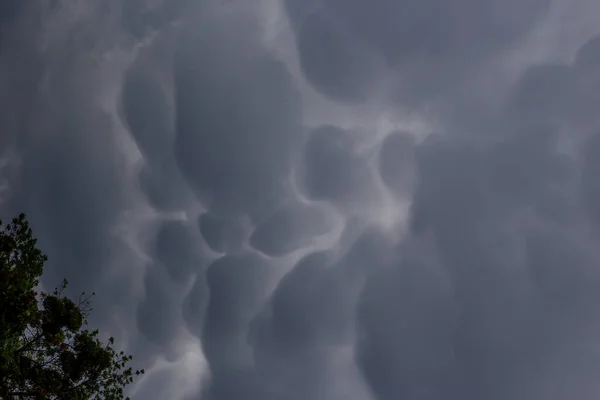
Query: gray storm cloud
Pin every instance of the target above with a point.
(429, 46)
(167, 159)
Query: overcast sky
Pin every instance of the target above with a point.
(317, 199)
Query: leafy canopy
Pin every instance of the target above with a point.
(46, 350)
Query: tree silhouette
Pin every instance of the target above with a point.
(46, 350)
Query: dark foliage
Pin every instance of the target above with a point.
(46, 350)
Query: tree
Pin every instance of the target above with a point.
(46, 349)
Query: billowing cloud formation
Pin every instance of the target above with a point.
(290, 228)
(397, 162)
(345, 47)
(167, 159)
(333, 169)
(561, 92)
(234, 143)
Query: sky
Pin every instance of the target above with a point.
(317, 199)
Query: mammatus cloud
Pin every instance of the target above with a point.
(163, 153)
(427, 47)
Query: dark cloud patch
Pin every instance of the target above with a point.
(221, 388)
(157, 313)
(526, 170)
(407, 324)
(470, 196)
(587, 63)
(146, 111)
(223, 235)
(333, 169)
(332, 61)
(287, 338)
(70, 182)
(149, 115)
(145, 17)
(297, 318)
(590, 182)
(21, 69)
(310, 317)
(314, 306)
(588, 56)
(397, 29)
(564, 270)
(195, 304)
(164, 187)
(397, 162)
(155, 386)
(237, 122)
(530, 169)
(559, 98)
(177, 248)
(475, 315)
(10, 10)
(545, 91)
(432, 44)
(563, 93)
(461, 183)
(237, 289)
(504, 215)
(290, 228)
(295, 335)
